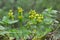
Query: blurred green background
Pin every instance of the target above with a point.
(38, 5)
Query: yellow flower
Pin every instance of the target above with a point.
(39, 19)
(32, 12)
(20, 17)
(10, 13)
(31, 16)
(20, 9)
(37, 15)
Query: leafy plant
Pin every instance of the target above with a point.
(34, 26)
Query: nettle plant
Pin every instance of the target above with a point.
(31, 25)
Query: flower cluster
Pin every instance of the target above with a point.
(20, 15)
(34, 15)
(40, 18)
(20, 10)
(10, 14)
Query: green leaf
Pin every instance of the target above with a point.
(12, 22)
(2, 28)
